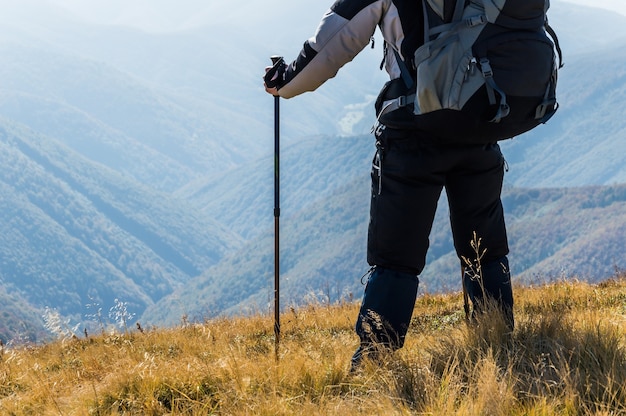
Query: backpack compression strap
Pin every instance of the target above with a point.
(492, 88)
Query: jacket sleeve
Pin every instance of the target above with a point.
(344, 31)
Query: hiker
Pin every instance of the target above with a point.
(415, 159)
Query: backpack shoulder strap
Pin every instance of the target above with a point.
(458, 10)
(438, 9)
(555, 39)
(404, 70)
(430, 8)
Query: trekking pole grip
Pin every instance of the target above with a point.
(277, 68)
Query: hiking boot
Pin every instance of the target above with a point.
(363, 353)
(385, 313)
(493, 286)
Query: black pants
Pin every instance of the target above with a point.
(408, 175)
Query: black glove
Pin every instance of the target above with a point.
(275, 76)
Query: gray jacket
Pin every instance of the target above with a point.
(344, 31)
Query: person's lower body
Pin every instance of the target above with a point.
(407, 179)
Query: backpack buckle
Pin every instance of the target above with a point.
(543, 108)
(476, 20)
(485, 67)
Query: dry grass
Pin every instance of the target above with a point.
(567, 356)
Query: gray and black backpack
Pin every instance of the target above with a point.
(489, 73)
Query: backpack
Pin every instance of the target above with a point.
(489, 73)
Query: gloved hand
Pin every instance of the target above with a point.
(274, 76)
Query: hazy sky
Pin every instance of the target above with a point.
(159, 15)
(615, 5)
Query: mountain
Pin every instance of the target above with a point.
(138, 166)
(583, 29)
(553, 232)
(74, 233)
(190, 96)
(116, 119)
(310, 172)
(169, 108)
(567, 232)
(100, 126)
(323, 224)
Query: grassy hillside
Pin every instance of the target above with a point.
(567, 356)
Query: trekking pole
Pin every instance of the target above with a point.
(466, 307)
(277, 62)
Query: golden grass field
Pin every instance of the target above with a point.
(567, 356)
